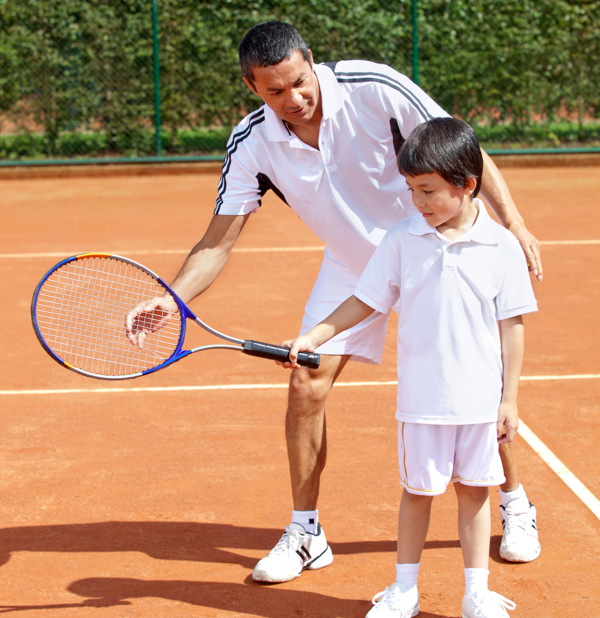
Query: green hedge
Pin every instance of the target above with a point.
(77, 76)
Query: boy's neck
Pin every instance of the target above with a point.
(456, 228)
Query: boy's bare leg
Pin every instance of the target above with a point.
(474, 525)
(413, 524)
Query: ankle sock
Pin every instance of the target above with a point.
(509, 496)
(309, 520)
(476, 581)
(407, 575)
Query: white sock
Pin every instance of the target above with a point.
(476, 581)
(509, 496)
(309, 520)
(407, 575)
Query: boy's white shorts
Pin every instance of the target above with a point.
(432, 456)
(334, 284)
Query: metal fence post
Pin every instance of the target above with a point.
(415, 41)
(157, 114)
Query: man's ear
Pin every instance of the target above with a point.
(250, 85)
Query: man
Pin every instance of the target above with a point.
(326, 142)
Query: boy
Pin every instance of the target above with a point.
(460, 284)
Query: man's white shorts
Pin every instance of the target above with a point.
(432, 456)
(334, 284)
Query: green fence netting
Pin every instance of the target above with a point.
(129, 79)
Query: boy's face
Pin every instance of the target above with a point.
(441, 203)
(290, 89)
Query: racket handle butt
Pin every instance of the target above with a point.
(311, 360)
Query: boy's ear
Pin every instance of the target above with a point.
(470, 185)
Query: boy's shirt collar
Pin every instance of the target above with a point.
(485, 230)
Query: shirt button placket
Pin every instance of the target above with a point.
(450, 259)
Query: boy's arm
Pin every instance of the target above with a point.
(512, 340)
(350, 312)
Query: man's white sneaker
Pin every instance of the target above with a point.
(394, 602)
(296, 551)
(520, 542)
(489, 605)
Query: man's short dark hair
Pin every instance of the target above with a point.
(268, 44)
(446, 146)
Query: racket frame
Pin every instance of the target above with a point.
(254, 348)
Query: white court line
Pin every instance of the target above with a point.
(225, 387)
(163, 252)
(559, 468)
(240, 250)
(555, 464)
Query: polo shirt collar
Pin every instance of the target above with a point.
(331, 102)
(485, 230)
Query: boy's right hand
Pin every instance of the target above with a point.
(302, 343)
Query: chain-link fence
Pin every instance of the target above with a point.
(127, 79)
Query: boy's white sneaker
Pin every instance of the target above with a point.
(489, 605)
(394, 602)
(520, 542)
(296, 551)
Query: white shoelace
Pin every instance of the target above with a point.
(289, 542)
(496, 603)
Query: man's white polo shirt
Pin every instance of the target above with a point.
(449, 296)
(349, 192)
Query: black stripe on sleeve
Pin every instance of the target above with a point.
(255, 119)
(359, 77)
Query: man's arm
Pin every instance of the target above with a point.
(206, 260)
(497, 193)
(201, 267)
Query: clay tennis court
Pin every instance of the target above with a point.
(155, 497)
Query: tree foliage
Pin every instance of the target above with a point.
(82, 67)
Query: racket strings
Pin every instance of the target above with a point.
(81, 310)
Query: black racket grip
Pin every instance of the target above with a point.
(279, 353)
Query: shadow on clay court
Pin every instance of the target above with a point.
(244, 598)
(199, 542)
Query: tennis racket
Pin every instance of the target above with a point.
(82, 315)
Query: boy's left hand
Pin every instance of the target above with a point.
(508, 422)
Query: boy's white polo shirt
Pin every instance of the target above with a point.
(349, 192)
(449, 296)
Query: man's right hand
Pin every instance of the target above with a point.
(148, 317)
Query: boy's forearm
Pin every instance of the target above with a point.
(513, 344)
(348, 314)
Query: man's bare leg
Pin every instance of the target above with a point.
(520, 542)
(305, 429)
(306, 436)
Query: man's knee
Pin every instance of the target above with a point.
(309, 388)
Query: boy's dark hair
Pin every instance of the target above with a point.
(268, 44)
(446, 146)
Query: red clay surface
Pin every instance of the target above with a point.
(122, 501)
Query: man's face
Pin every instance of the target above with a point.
(290, 89)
